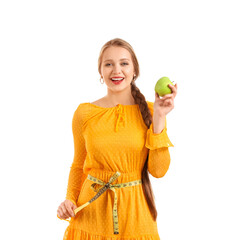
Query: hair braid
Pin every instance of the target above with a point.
(141, 101)
(146, 115)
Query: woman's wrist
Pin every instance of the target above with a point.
(158, 123)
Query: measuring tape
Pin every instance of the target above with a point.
(105, 187)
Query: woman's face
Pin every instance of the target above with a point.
(117, 62)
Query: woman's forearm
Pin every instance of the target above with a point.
(158, 123)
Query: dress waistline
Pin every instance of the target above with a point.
(105, 175)
(105, 187)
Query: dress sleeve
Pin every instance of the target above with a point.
(159, 156)
(76, 175)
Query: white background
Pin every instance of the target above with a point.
(48, 66)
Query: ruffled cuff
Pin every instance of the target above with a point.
(154, 140)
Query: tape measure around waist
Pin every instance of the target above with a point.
(105, 187)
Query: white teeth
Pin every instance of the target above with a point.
(117, 79)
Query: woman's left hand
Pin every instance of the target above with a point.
(163, 105)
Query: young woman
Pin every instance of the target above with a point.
(118, 139)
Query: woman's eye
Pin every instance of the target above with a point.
(108, 64)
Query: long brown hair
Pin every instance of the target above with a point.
(146, 115)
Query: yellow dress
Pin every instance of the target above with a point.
(106, 141)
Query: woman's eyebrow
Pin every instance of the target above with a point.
(112, 59)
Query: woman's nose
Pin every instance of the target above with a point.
(117, 69)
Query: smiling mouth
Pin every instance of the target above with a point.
(116, 80)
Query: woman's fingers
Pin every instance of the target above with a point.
(63, 210)
(169, 100)
(171, 95)
(73, 207)
(66, 209)
(58, 213)
(69, 209)
(173, 88)
(157, 96)
(168, 96)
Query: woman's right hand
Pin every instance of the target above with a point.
(66, 209)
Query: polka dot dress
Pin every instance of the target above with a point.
(110, 150)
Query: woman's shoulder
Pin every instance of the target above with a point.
(85, 109)
(81, 112)
(81, 107)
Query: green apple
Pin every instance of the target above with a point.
(162, 88)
